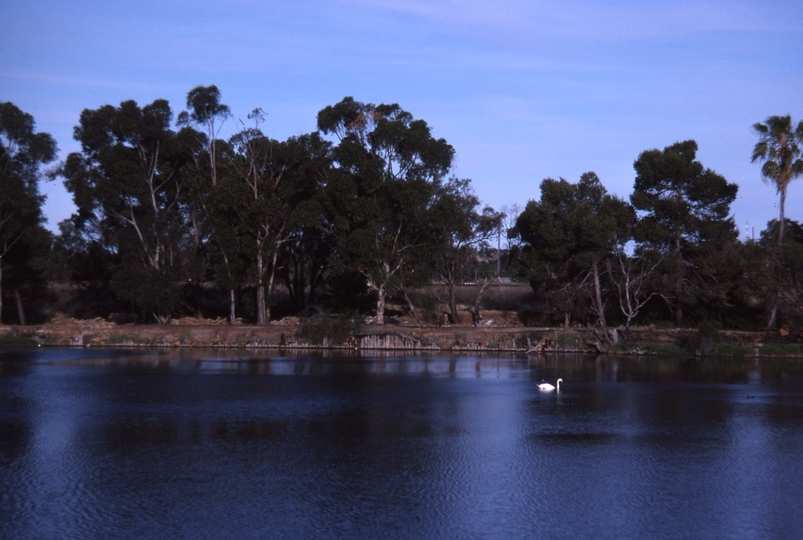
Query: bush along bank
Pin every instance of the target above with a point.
(331, 333)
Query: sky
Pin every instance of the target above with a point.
(523, 90)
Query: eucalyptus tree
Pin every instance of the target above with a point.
(388, 168)
(23, 152)
(567, 236)
(684, 216)
(127, 183)
(273, 192)
(206, 112)
(462, 230)
(202, 122)
(253, 198)
(307, 251)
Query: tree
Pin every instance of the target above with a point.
(202, 122)
(568, 234)
(779, 147)
(127, 184)
(462, 231)
(257, 205)
(208, 113)
(631, 276)
(22, 154)
(306, 253)
(275, 199)
(684, 216)
(388, 169)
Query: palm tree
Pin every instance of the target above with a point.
(779, 147)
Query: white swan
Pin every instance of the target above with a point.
(546, 387)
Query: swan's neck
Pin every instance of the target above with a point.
(558, 383)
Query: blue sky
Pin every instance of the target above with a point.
(523, 90)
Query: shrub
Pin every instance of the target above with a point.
(429, 308)
(782, 349)
(337, 329)
(17, 341)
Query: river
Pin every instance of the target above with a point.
(214, 444)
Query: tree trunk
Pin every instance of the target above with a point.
(679, 295)
(453, 315)
(410, 305)
(261, 304)
(478, 300)
(598, 296)
(380, 304)
(260, 285)
(199, 311)
(20, 311)
(773, 322)
(781, 227)
(232, 318)
(1, 290)
(271, 280)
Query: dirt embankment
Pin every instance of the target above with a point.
(400, 336)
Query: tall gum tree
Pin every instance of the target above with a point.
(388, 167)
(127, 184)
(684, 216)
(23, 152)
(202, 121)
(463, 230)
(273, 193)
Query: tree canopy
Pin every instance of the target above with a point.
(23, 151)
(365, 214)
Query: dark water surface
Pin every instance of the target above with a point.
(208, 444)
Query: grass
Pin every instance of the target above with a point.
(570, 339)
(735, 350)
(337, 328)
(782, 349)
(119, 339)
(17, 341)
(661, 349)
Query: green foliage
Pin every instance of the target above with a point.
(388, 171)
(735, 350)
(428, 304)
(779, 147)
(570, 339)
(24, 243)
(567, 235)
(8, 340)
(794, 350)
(373, 212)
(684, 215)
(127, 184)
(338, 329)
(124, 339)
(659, 349)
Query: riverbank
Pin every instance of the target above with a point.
(290, 334)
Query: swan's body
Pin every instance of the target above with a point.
(546, 387)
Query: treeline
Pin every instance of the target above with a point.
(366, 209)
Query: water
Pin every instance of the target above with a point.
(205, 444)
